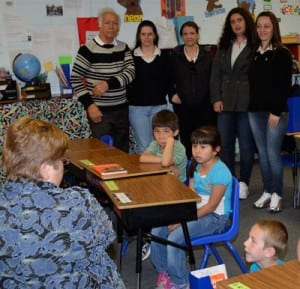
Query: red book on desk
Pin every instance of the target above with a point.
(109, 169)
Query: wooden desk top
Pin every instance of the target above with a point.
(84, 152)
(152, 190)
(285, 276)
(88, 144)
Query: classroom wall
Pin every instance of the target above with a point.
(26, 28)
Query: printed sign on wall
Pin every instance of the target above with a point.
(133, 12)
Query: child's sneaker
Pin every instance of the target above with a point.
(163, 281)
(146, 251)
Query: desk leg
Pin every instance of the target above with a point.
(138, 268)
(188, 245)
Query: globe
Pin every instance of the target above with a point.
(26, 67)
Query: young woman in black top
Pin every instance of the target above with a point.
(270, 85)
(147, 93)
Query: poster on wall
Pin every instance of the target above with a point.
(87, 29)
(133, 12)
(249, 5)
(214, 8)
(172, 8)
(289, 7)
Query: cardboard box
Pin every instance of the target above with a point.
(207, 277)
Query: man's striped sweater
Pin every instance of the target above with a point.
(94, 63)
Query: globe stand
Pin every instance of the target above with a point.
(36, 91)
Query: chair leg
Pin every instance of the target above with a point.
(216, 253)
(237, 257)
(123, 250)
(124, 247)
(205, 257)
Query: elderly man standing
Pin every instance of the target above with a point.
(102, 70)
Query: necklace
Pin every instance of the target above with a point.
(192, 53)
(148, 53)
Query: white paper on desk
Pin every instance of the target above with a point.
(123, 198)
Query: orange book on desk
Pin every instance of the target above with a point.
(109, 169)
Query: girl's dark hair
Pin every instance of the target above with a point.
(145, 23)
(276, 38)
(189, 24)
(228, 35)
(207, 134)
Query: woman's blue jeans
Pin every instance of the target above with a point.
(268, 141)
(140, 118)
(172, 260)
(232, 125)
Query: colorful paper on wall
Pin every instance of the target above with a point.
(87, 28)
(172, 8)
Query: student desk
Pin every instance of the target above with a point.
(153, 201)
(282, 276)
(157, 198)
(97, 152)
(88, 144)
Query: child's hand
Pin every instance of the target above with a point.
(173, 227)
(171, 140)
(175, 171)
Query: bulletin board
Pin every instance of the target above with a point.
(34, 26)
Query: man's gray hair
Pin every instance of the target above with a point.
(105, 11)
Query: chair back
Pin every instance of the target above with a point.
(188, 163)
(108, 139)
(235, 207)
(294, 115)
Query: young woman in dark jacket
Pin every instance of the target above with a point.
(230, 92)
(190, 95)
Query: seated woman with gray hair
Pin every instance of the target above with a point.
(50, 237)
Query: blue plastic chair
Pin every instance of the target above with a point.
(294, 116)
(188, 163)
(108, 139)
(208, 242)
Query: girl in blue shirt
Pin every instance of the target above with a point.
(212, 180)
